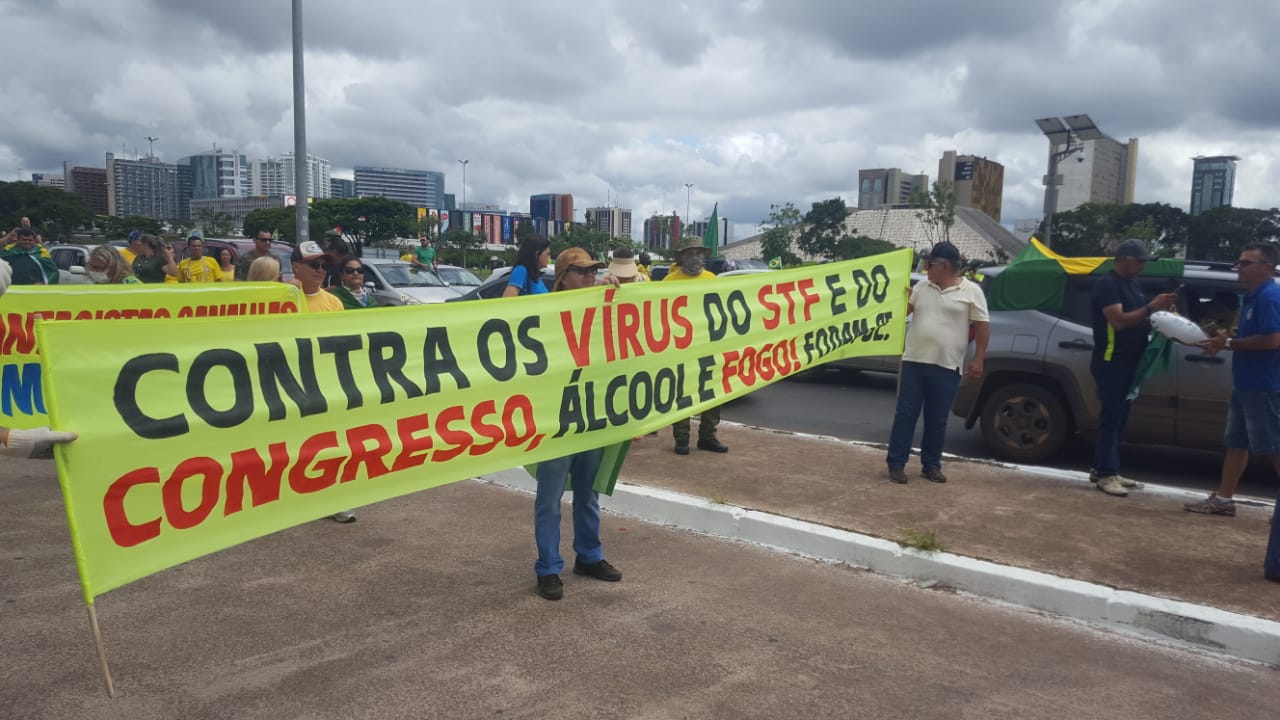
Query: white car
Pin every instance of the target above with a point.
(421, 285)
(458, 277)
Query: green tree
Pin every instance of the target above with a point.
(583, 236)
(778, 232)
(461, 240)
(937, 210)
(1220, 233)
(825, 228)
(54, 213)
(848, 248)
(118, 228)
(1094, 229)
(213, 223)
(368, 221)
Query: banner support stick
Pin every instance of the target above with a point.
(102, 652)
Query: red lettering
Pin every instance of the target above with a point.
(326, 470)
(123, 532)
(657, 345)
(772, 320)
(629, 331)
(579, 343)
(609, 354)
(178, 516)
(728, 369)
(362, 454)
(19, 333)
(516, 438)
(414, 448)
(486, 430)
(248, 468)
(459, 439)
(810, 297)
(677, 308)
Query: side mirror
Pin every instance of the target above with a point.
(77, 270)
(370, 285)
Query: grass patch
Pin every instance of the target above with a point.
(718, 500)
(922, 540)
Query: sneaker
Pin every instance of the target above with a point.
(550, 587)
(713, 445)
(344, 517)
(898, 475)
(1212, 505)
(682, 448)
(1112, 485)
(601, 570)
(934, 475)
(1126, 482)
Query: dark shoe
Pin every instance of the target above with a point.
(713, 445)
(682, 448)
(550, 587)
(934, 475)
(898, 475)
(600, 571)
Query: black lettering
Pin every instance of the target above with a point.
(616, 418)
(528, 342)
(641, 405)
(125, 397)
(499, 327)
(706, 366)
(274, 373)
(571, 407)
(341, 347)
(241, 386)
(837, 289)
(739, 312)
(717, 321)
(387, 357)
(438, 359)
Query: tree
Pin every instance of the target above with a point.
(777, 233)
(1094, 229)
(1220, 233)
(214, 223)
(583, 236)
(848, 248)
(937, 211)
(462, 239)
(54, 213)
(118, 228)
(825, 229)
(368, 221)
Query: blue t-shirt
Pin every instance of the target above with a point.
(519, 279)
(1258, 370)
(1111, 345)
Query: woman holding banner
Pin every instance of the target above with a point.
(37, 442)
(526, 276)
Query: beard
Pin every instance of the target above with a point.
(692, 265)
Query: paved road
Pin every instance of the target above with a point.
(859, 406)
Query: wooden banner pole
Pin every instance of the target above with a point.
(102, 652)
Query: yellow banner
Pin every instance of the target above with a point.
(22, 402)
(199, 435)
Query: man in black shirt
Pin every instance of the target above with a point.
(1119, 337)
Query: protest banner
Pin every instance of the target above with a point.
(201, 434)
(22, 402)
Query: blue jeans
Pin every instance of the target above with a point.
(1271, 565)
(581, 469)
(933, 389)
(1113, 380)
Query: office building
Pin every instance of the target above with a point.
(231, 209)
(142, 187)
(1102, 172)
(1213, 182)
(661, 230)
(217, 174)
(450, 203)
(419, 188)
(90, 184)
(553, 207)
(976, 181)
(47, 180)
(613, 220)
(340, 188)
(886, 187)
(274, 176)
(699, 229)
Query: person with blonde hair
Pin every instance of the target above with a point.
(264, 269)
(106, 266)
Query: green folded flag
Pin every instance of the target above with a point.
(1157, 358)
(607, 475)
(711, 237)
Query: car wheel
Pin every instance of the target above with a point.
(1024, 423)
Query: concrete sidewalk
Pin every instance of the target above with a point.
(425, 609)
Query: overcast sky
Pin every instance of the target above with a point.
(753, 101)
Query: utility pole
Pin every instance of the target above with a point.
(300, 168)
(464, 164)
(688, 187)
(151, 146)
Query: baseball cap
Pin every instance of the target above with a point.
(308, 250)
(195, 235)
(1134, 248)
(134, 235)
(574, 257)
(944, 251)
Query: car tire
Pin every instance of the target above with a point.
(1024, 422)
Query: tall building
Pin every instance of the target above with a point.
(881, 187)
(218, 174)
(142, 187)
(342, 188)
(1213, 182)
(660, 230)
(274, 176)
(47, 180)
(419, 188)
(232, 209)
(450, 203)
(88, 183)
(552, 207)
(613, 220)
(699, 229)
(976, 181)
(1102, 172)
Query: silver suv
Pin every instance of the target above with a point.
(1037, 390)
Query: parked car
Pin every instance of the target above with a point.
(1037, 390)
(496, 283)
(412, 284)
(71, 261)
(458, 277)
(213, 247)
(720, 265)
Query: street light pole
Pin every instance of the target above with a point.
(303, 233)
(688, 193)
(464, 163)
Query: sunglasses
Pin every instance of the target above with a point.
(581, 270)
(313, 264)
(353, 270)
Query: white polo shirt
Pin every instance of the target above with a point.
(939, 330)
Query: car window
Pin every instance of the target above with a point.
(458, 276)
(405, 275)
(64, 258)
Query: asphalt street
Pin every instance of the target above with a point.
(859, 406)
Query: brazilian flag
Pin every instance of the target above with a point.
(1037, 278)
(775, 263)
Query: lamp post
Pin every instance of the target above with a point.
(303, 232)
(464, 163)
(1072, 136)
(688, 193)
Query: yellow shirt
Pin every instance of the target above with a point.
(675, 273)
(128, 256)
(322, 301)
(205, 269)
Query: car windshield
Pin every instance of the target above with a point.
(405, 275)
(751, 265)
(458, 276)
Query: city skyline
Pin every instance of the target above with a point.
(760, 104)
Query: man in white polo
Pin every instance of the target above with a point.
(942, 310)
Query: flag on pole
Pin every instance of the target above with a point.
(776, 263)
(711, 237)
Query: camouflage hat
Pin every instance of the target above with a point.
(687, 242)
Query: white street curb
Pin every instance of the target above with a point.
(1200, 626)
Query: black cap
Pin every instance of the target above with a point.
(944, 251)
(1134, 248)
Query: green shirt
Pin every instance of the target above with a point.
(425, 255)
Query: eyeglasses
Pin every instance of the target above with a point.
(353, 270)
